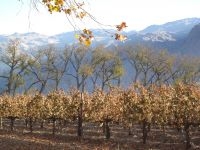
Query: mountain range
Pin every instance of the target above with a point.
(180, 36)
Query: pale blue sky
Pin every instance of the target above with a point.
(15, 16)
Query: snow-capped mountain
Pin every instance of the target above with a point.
(160, 36)
(176, 27)
(28, 41)
(32, 40)
(171, 36)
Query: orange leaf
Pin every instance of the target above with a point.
(81, 15)
(120, 37)
(68, 11)
(121, 26)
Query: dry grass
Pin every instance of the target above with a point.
(93, 139)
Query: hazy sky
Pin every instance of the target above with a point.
(18, 17)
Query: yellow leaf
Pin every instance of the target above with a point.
(77, 36)
(87, 42)
(56, 8)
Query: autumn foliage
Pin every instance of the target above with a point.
(174, 105)
(76, 10)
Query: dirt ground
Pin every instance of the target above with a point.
(93, 138)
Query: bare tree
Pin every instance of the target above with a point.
(81, 69)
(186, 69)
(107, 67)
(42, 72)
(60, 65)
(16, 67)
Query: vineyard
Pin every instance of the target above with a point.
(158, 117)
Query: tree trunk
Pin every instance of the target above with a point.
(80, 120)
(119, 82)
(129, 131)
(1, 123)
(187, 136)
(12, 121)
(43, 86)
(60, 123)
(104, 127)
(130, 125)
(149, 127)
(107, 129)
(31, 124)
(65, 123)
(54, 126)
(26, 122)
(144, 131)
(163, 132)
(42, 124)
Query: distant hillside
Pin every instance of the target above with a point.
(192, 42)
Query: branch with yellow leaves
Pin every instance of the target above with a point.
(74, 10)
